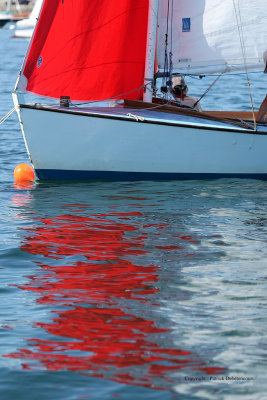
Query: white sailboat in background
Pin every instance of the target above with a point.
(97, 52)
(4, 19)
(24, 28)
(8, 15)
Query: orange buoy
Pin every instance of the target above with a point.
(23, 172)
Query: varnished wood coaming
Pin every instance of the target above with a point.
(238, 118)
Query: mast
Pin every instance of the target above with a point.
(150, 49)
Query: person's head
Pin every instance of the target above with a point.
(178, 85)
(265, 61)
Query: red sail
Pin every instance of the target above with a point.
(88, 49)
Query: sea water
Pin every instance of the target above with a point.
(131, 290)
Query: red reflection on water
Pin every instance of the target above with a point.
(170, 247)
(107, 328)
(24, 185)
(92, 238)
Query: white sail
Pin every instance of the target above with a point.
(208, 36)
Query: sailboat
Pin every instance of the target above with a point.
(9, 16)
(94, 100)
(24, 28)
(4, 19)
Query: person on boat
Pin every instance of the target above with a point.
(262, 114)
(179, 91)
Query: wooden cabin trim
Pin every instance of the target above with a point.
(237, 118)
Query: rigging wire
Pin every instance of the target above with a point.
(166, 64)
(170, 59)
(170, 52)
(197, 76)
(113, 97)
(208, 89)
(5, 117)
(242, 44)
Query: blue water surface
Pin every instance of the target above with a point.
(131, 290)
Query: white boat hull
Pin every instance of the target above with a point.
(23, 33)
(69, 144)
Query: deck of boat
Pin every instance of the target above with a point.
(165, 114)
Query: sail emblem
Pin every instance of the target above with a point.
(39, 61)
(186, 24)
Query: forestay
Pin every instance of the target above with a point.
(212, 35)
